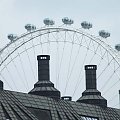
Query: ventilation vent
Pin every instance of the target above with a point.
(67, 98)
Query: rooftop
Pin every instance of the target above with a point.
(44, 101)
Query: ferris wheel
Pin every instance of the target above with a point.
(70, 50)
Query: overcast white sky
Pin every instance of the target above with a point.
(104, 14)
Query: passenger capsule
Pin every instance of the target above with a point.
(104, 34)
(48, 21)
(86, 25)
(67, 21)
(30, 27)
(12, 37)
(117, 47)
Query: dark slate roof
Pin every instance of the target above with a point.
(23, 106)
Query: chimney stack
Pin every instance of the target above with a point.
(44, 87)
(90, 71)
(91, 95)
(43, 67)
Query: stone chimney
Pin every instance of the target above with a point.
(44, 87)
(91, 95)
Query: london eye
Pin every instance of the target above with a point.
(70, 50)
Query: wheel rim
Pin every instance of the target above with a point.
(70, 50)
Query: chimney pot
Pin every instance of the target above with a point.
(90, 67)
(67, 98)
(43, 57)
